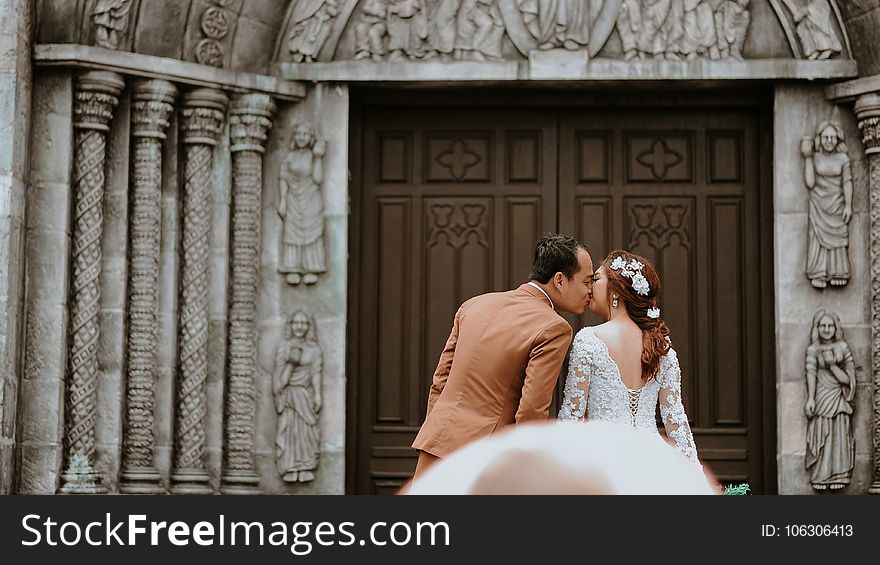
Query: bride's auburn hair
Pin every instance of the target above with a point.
(655, 334)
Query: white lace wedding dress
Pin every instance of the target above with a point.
(594, 391)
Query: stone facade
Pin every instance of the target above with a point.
(141, 303)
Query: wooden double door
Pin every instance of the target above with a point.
(451, 201)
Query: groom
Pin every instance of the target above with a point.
(503, 357)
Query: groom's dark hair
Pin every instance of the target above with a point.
(555, 253)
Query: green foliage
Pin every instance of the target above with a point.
(736, 489)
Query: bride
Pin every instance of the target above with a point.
(619, 370)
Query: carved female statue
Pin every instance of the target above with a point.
(311, 21)
(828, 176)
(296, 383)
(301, 207)
(814, 29)
(831, 388)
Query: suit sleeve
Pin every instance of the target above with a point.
(441, 373)
(542, 371)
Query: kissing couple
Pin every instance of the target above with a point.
(505, 352)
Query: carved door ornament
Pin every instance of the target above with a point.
(296, 384)
(828, 176)
(831, 388)
(301, 207)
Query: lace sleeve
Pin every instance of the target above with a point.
(672, 410)
(577, 384)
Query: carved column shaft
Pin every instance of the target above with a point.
(152, 107)
(202, 114)
(868, 113)
(96, 95)
(250, 121)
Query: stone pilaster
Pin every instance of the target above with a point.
(202, 120)
(95, 96)
(868, 113)
(250, 121)
(152, 103)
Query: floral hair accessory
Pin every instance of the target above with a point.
(633, 271)
(654, 312)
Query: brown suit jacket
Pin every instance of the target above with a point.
(499, 367)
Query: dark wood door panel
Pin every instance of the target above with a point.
(463, 195)
(451, 202)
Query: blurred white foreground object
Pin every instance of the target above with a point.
(586, 457)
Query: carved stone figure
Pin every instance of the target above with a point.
(311, 22)
(673, 29)
(629, 25)
(369, 32)
(732, 20)
(442, 28)
(699, 37)
(407, 28)
(110, 18)
(828, 177)
(301, 207)
(814, 29)
(479, 30)
(831, 389)
(557, 23)
(296, 383)
(652, 39)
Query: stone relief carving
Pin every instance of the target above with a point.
(828, 177)
(448, 29)
(557, 23)
(407, 22)
(110, 18)
(311, 21)
(831, 388)
(676, 29)
(369, 32)
(296, 383)
(215, 24)
(813, 27)
(301, 207)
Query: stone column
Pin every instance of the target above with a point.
(95, 96)
(202, 120)
(16, 36)
(152, 105)
(868, 113)
(250, 121)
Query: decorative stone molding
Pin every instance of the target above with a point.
(110, 18)
(831, 389)
(301, 207)
(867, 110)
(297, 383)
(215, 24)
(202, 120)
(250, 121)
(828, 176)
(95, 96)
(152, 103)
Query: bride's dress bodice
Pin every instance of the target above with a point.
(595, 391)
